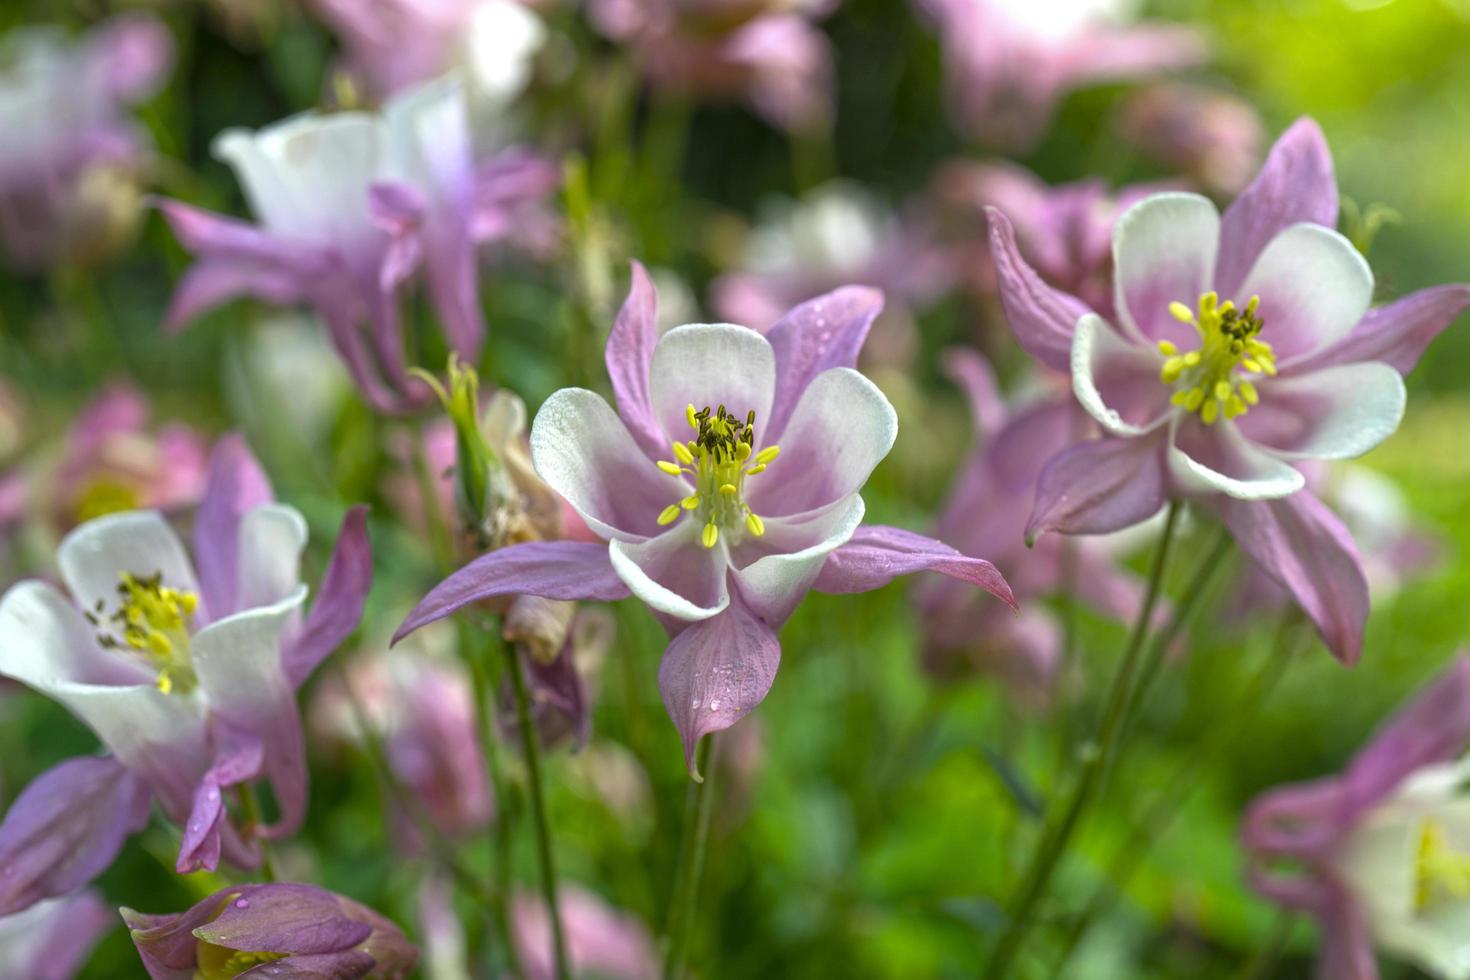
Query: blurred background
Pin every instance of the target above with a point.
(873, 814)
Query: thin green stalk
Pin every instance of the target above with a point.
(1096, 757)
(685, 901)
(544, 853)
(1168, 804)
(250, 810)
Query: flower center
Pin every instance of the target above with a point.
(1441, 873)
(1209, 380)
(718, 459)
(222, 963)
(151, 620)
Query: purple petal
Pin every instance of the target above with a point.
(239, 762)
(133, 53)
(398, 209)
(822, 333)
(553, 569)
(1041, 318)
(1396, 334)
(53, 940)
(1346, 951)
(66, 827)
(876, 555)
(1295, 184)
(1300, 543)
(285, 918)
(629, 355)
(1433, 728)
(235, 484)
(716, 671)
(1132, 51)
(1100, 486)
(339, 602)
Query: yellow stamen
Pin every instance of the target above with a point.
(690, 502)
(729, 490)
(672, 469)
(689, 414)
(709, 535)
(682, 453)
(1165, 347)
(755, 524)
(1181, 313)
(669, 514)
(766, 455)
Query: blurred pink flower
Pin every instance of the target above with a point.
(601, 941)
(719, 549)
(352, 207)
(1009, 62)
(986, 509)
(71, 157)
(1378, 854)
(771, 55)
(1292, 366)
(187, 677)
(52, 940)
(1210, 136)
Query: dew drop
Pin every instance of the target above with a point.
(242, 903)
(714, 705)
(694, 704)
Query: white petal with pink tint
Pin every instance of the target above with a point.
(1163, 252)
(1218, 459)
(1314, 288)
(1103, 360)
(94, 556)
(1336, 413)
(796, 549)
(708, 365)
(272, 537)
(675, 573)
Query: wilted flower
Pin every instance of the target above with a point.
(188, 677)
(1209, 135)
(562, 680)
(1242, 346)
(771, 55)
(1381, 852)
(71, 158)
(986, 509)
(52, 940)
(601, 941)
(1009, 62)
(274, 930)
(726, 485)
(352, 206)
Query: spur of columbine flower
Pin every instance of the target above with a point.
(1242, 346)
(1380, 855)
(352, 207)
(185, 669)
(272, 930)
(990, 499)
(726, 485)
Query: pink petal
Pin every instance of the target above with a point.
(970, 370)
(339, 601)
(133, 54)
(821, 333)
(1208, 459)
(1163, 252)
(554, 569)
(715, 672)
(711, 364)
(776, 570)
(200, 846)
(1396, 334)
(1335, 413)
(1301, 544)
(1100, 486)
(1041, 318)
(1116, 379)
(1127, 52)
(1432, 728)
(1295, 184)
(235, 485)
(876, 555)
(629, 356)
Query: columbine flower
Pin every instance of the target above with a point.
(1241, 346)
(52, 940)
(276, 930)
(352, 205)
(601, 941)
(71, 159)
(186, 670)
(726, 485)
(395, 44)
(990, 500)
(772, 56)
(1382, 851)
(1009, 62)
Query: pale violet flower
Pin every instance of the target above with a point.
(1380, 854)
(726, 484)
(52, 940)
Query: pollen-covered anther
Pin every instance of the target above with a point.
(1439, 870)
(718, 460)
(151, 620)
(1208, 379)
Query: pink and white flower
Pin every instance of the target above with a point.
(725, 485)
(186, 669)
(352, 207)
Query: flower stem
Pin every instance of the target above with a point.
(250, 809)
(544, 853)
(1095, 759)
(691, 862)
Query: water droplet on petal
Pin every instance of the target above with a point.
(242, 903)
(694, 704)
(714, 705)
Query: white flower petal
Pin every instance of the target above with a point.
(1336, 413)
(44, 641)
(785, 560)
(1108, 368)
(272, 537)
(675, 573)
(584, 452)
(1314, 287)
(238, 659)
(1163, 252)
(94, 556)
(1218, 459)
(841, 429)
(708, 365)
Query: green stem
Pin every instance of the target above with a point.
(1169, 803)
(1096, 757)
(691, 862)
(250, 810)
(544, 853)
